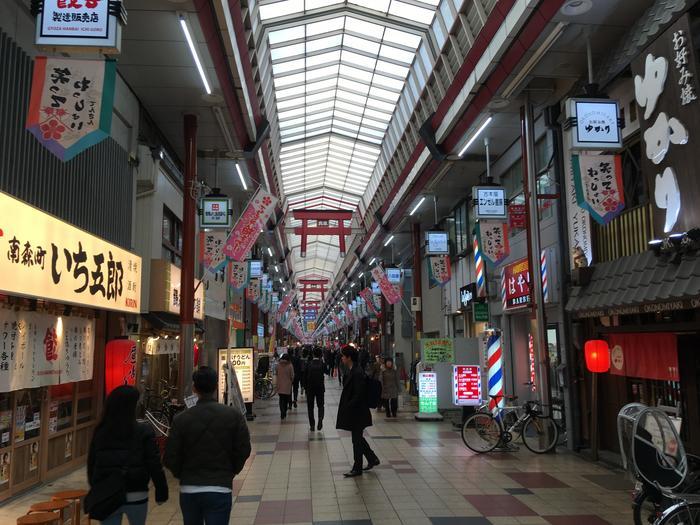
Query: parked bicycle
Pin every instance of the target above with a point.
(483, 432)
(161, 406)
(264, 388)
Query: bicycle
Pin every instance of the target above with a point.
(483, 432)
(160, 406)
(264, 389)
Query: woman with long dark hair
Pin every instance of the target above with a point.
(123, 458)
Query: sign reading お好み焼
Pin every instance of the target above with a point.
(44, 257)
(596, 123)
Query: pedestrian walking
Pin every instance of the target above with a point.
(353, 412)
(297, 365)
(341, 367)
(315, 389)
(391, 386)
(207, 447)
(123, 455)
(285, 381)
(375, 372)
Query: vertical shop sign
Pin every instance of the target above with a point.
(439, 270)
(248, 227)
(211, 249)
(238, 274)
(599, 188)
(427, 392)
(517, 217)
(391, 292)
(252, 293)
(120, 364)
(516, 284)
(366, 294)
(493, 240)
(71, 104)
(666, 88)
(286, 301)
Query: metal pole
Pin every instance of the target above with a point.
(186, 364)
(594, 417)
(539, 323)
(417, 272)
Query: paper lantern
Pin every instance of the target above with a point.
(120, 364)
(597, 354)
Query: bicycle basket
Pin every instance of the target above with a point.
(626, 419)
(657, 450)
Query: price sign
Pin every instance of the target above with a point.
(427, 392)
(466, 385)
(242, 361)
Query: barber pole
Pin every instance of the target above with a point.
(495, 372)
(543, 267)
(479, 264)
(503, 289)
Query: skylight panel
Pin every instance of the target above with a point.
(352, 98)
(327, 71)
(353, 86)
(287, 51)
(411, 12)
(378, 92)
(364, 28)
(321, 84)
(378, 115)
(392, 69)
(395, 53)
(386, 82)
(285, 35)
(378, 104)
(292, 102)
(348, 116)
(288, 80)
(316, 4)
(290, 92)
(361, 43)
(403, 38)
(285, 67)
(377, 5)
(358, 60)
(325, 26)
(353, 72)
(324, 43)
(277, 9)
(324, 58)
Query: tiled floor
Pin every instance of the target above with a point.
(427, 477)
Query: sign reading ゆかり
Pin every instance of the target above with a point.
(596, 124)
(44, 257)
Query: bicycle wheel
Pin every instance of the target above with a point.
(540, 434)
(481, 433)
(644, 511)
(683, 513)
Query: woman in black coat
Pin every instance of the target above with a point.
(122, 445)
(353, 412)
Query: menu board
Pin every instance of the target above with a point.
(466, 385)
(242, 361)
(427, 392)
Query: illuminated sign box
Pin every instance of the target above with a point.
(47, 258)
(255, 269)
(436, 243)
(490, 202)
(595, 123)
(393, 275)
(466, 385)
(427, 392)
(215, 213)
(242, 361)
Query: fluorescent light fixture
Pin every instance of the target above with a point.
(352, 285)
(361, 274)
(240, 176)
(389, 240)
(475, 136)
(195, 55)
(414, 210)
(372, 261)
(280, 280)
(284, 289)
(269, 250)
(277, 268)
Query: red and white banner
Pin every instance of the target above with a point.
(493, 240)
(440, 269)
(238, 274)
(252, 292)
(516, 282)
(286, 301)
(336, 320)
(248, 227)
(367, 295)
(211, 249)
(599, 188)
(391, 292)
(349, 318)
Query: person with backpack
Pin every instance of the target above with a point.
(390, 387)
(353, 412)
(123, 457)
(315, 388)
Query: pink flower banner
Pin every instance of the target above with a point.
(391, 292)
(238, 274)
(440, 269)
(248, 227)
(599, 188)
(493, 240)
(252, 293)
(286, 301)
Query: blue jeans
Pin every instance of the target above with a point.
(211, 508)
(136, 514)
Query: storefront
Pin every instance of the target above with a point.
(58, 284)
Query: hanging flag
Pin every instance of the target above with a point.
(599, 188)
(71, 103)
(211, 250)
(238, 274)
(248, 226)
(439, 270)
(479, 265)
(495, 372)
(366, 294)
(391, 292)
(252, 293)
(286, 301)
(348, 313)
(493, 240)
(336, 319)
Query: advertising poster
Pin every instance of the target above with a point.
(20, 415)
(242, 361)
(53, 417)
(5, 427)
(438, 350)
(5, 462)
(34, 457)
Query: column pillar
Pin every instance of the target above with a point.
(417, 277)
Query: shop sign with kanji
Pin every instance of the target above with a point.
(391, 292)
(517, 284)
(38, 349)
(367, 295)
(517, 216)
(211, 250)
(595, 123)
(440, 270)
(248, 227)
(493, 240)
(164, 272)
(599, 187)
(79, 23)
(286, 301)
(71, 104)
(45, 258)
(215, 212)
(252, 293)
(438, 350)
(238, 274)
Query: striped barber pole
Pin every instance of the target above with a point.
(495, 372)
(479, 264)
(543, 267)
(503, 288)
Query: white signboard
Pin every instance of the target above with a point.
(162, 346)
(242, 361)
(394, 275)
(490, 202)
(38, 349)
(436, 243)
(596, 124)
(255, 269)
(84, 23)
(215, 213)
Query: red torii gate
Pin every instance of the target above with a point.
(313, 286)
(323, 227)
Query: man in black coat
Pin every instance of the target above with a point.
(315, 388)
(353, 412)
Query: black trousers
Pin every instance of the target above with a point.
(317, 396)
(361, 448)
(392, 405)
(295, 389)
(285, 403)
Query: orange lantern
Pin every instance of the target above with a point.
(120, 364)
(597, 355)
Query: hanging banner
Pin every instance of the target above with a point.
(211, 250)
(348, 313)
(391, 292)
(286, 301)
(493, 240)
(439, 270)
(336, 320)
(516, 284)
(71, 103)
(252, 293)
(599, 188)
(41, 349)
(248, 227)
(238, 274)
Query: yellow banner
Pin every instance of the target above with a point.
(46, 258)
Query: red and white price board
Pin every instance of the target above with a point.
(466, 385)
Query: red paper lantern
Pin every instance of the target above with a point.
(597, 354)
(120, 364)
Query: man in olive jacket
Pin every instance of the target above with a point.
(353, 411)
(207, 446)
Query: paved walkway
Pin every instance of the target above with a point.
(427, 477)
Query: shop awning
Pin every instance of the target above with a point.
(638, 284)
(168, 321)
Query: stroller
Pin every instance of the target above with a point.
(652, 452)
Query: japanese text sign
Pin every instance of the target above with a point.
(214, 212)
(490, 202)
(38, 349)
(427, 392)
(366, 294)
(248, 227)
(252, 293)
(599, 188)
(211, 250)
(466, 385)
(517, 284)
(517, 216)
(596, 124)
(44, 257)
(493, 240)
(166, 289)
(439, 269)
(391, 292)
(438, 350)
(242, 361)
(436, 243)
(71, 104)
(238, 274)
(286, 301)
(83, 23)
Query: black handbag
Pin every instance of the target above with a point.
(108, 494)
